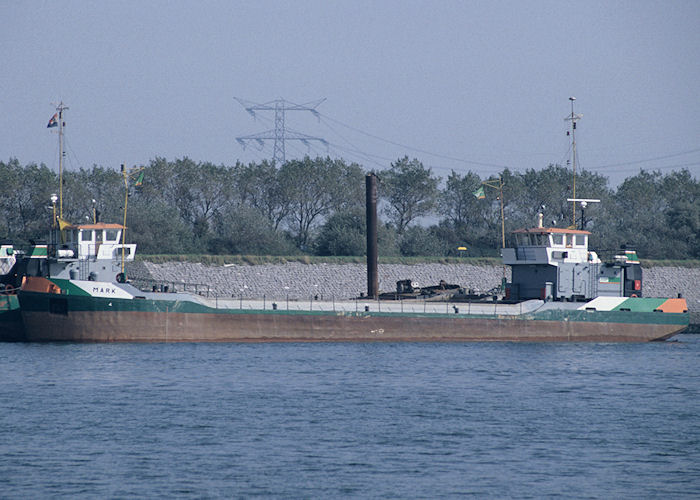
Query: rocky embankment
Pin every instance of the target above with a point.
(341, 281)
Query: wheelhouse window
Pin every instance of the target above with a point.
(87, 236)
(117, 252)
(111, 235)
(580, 240)
(558, 239)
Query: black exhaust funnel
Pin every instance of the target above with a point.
(371, 210)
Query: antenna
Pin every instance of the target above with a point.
(573, 118)
(280, 134)
(584, 203)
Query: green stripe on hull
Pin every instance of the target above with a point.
(641, 316)
(83, 302)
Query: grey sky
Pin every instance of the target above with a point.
(484, 82)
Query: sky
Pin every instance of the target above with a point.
(460, 85)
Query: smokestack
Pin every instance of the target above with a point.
(371, 211)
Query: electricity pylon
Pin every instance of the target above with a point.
(280, 134)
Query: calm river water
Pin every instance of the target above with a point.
(350, 420)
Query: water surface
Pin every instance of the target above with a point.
(404, 420)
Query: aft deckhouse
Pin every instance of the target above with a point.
(552, 263)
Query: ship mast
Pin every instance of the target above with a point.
(573, 118)
(492, 183)
(125, 174)
(60, 108)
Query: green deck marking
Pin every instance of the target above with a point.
(640, 304)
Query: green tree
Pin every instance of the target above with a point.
(682, 218)
(467, 220)
(418, 240)
(457, 202)
(156, 228)
(198, 191)
(547, 190)
(314, 189)
(25, 199)
(9, 177)
(203, 190)
(636, 216)
(259, 186)
(104, 185)
(410, 191)
(244, 230)
(492, 235)
(344, 233)
(387, 240)
(657, 214)
(186, 206)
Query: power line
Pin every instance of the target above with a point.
(437, 155)
(650, 159)
(363, 157)
(357, 150)
(665, 167)
(495, 165)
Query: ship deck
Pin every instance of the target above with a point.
(382, 306)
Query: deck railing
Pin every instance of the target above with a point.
(150, 285)
(321, 303)
(360, 305)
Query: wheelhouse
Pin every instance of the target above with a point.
(91, 241)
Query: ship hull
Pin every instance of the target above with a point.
(52, 317)
(11, 325)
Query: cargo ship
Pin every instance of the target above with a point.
(560, 291)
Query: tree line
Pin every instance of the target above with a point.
(316, 206)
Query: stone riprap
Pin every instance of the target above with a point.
(341, 281)
(301, 281)
(670, 281)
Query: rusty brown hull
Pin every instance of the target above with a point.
(159, 326)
